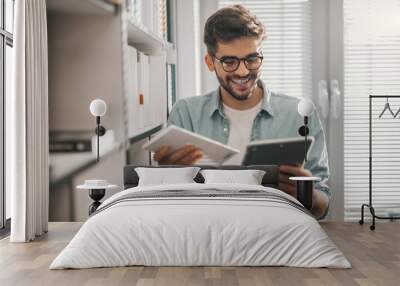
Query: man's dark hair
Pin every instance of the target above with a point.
(231, 23)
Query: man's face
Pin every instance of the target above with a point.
(239, 83)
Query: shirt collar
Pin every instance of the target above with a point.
(216, 104)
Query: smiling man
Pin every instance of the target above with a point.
(242, 109)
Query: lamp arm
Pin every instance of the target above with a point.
(305, 137)
(98, 137)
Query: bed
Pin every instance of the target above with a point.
(201, 224)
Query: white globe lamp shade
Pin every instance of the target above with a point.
(305, 107)
(98, 107)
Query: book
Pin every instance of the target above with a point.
(171, 87)
(143, 90)
(62, 146)
(280, 151)
(177, 137)
(132, 92)
(70, 141)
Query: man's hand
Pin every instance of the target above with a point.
(320, 199)
(186, 155)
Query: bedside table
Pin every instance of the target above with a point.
(305, 187)
(97, 190)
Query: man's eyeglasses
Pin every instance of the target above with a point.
(231, 64)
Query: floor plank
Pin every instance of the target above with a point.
(374, 255)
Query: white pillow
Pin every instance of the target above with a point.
(162, 176)
(249, 177)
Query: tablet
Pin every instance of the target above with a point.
(277, 151)
(177, 137)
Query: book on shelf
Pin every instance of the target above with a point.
(70, 141)
(132, 91)
(135, 9)
(152, 14)
(147, 11)
(163, 16)
(70, 146)
(158, 90)
(156, 18)
(143, 90)
(171, 87)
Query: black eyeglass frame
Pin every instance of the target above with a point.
(221, 60)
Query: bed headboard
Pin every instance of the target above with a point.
(270, 179)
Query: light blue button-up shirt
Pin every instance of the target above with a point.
(278, 118)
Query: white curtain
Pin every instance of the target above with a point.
(27, 122)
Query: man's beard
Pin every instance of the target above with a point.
(227, 86)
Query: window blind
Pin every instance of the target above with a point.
(287, 49)
(371, 66)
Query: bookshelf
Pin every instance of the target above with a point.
(90, 43)
(86, 7)
(145, 35)
(120, 30)
(144, 40)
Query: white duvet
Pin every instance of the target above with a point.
(200, 231)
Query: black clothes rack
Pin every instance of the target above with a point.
(369, 205)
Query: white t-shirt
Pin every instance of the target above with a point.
(241, 123)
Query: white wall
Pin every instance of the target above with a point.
(187, 74)
(209, 81)
(84, 64)
(336, 125)
(193, 76)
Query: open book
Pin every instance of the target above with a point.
(177, 137)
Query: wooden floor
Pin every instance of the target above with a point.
(374, 255)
